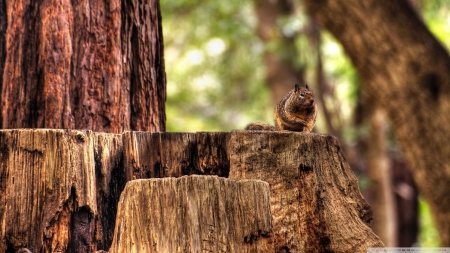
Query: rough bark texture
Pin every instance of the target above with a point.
(94, 65)
(201, 214)
(406, 69)
(66, 184)
(55, 187)
(59, 189)
(315, 200)
(152, 155)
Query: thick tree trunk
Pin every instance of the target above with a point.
(201, 214)
(406, 69)
(94, 65)
(59, 189)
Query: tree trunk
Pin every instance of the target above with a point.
(59, 189)
(381, 181)
(406, 70)
(407, 202)
(194, 214)
(82, 65)
(283, 71)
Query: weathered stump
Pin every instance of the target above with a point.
(53, 183)
(193, 214)
(59, 189)
(315, 199)
(150, 155)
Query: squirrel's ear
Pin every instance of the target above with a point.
(297, 88)
(307, 87)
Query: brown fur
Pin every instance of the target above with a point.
(297, 111)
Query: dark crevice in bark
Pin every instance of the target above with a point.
(108, 197)
(432, 83)
(81, 231)
(134, 77)
(3, 27)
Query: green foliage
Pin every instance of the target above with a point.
(344, 84)
(428, 236)
(214, 66)
(215, 70)
(436, 14)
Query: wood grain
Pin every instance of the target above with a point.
(315, 200)
(59, 190)
(52, 183)
(193, 214)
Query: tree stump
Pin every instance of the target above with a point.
(59, 189)
(151, 155)
(193, 214)
(315, 199)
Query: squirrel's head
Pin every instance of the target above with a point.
(300, 100)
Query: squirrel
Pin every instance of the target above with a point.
(297, 111)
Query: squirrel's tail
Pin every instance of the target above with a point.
(260, 126)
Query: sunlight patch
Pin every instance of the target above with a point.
(215, 46)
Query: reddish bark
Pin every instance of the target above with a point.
(95, 65)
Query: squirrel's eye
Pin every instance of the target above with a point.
(302, 94)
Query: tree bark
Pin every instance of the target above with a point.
(406, 70)
(59, 189)
(82, 65)
(194, 214)
(315, 200)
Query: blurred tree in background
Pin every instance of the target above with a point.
(224, 60)
(214, 60)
